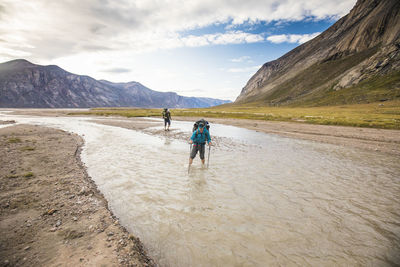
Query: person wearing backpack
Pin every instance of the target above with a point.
(204, 122)
(199, 138)
(167, 119)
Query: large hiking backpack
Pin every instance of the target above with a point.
(166, 114)
(204, 122)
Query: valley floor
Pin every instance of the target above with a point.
(51, 213)
(380, 140)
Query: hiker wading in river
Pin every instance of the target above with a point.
(167, 119)
(199, 139)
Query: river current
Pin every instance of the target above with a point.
(265, 200)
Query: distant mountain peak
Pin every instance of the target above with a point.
(17, 63)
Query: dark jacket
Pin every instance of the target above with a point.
(166, 115)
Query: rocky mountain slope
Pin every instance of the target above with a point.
(26, 85)
(356, 60)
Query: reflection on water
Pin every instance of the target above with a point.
(265, 200)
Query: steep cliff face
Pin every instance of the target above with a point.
(359, 46)
(26, 85)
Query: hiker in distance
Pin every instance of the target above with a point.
(199, 138)
(167, 119)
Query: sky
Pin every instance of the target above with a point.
(202, 48)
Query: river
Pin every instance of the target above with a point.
(265, 200)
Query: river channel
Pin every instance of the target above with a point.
(265, 200)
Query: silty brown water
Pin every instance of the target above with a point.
(264, 201)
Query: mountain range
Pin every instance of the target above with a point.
(27, 85)
(356, 60)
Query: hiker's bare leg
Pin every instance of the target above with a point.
(190, 161)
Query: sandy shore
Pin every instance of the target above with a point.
(377, 140)
(51, 212)
(6, 122)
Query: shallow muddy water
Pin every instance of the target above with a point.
(265, 200)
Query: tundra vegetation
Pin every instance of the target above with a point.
(382, 114)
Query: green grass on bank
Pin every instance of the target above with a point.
(294, 89)
(375, 89)
(374, 115)
(124, 112)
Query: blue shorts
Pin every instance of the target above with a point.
(167, 121)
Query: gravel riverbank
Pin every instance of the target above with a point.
(51, 213)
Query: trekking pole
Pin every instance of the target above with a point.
(190, 152)
(208, 159)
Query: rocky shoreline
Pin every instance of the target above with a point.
(7, 122)
(51, 211)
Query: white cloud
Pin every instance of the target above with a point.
(241, 59)
(58, 28)
(233, 37)
(245, 69)
(291, 38)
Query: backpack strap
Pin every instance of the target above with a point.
(197, 133)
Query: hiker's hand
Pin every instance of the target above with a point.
(190, 141)
(210, 144)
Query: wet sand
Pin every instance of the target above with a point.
(51, 212)
(6, 122)
(371, 139)
(377, 140)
